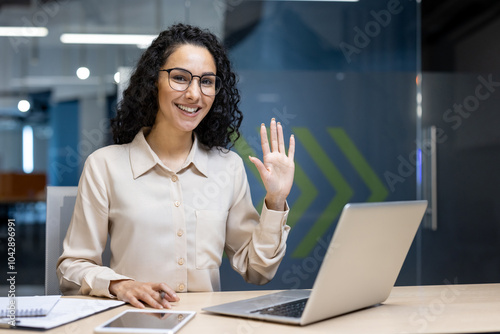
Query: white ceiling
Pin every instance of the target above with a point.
(43, 64)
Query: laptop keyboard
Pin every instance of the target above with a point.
(291, 309)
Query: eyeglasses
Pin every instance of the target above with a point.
(180, 79)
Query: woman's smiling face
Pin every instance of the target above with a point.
(181, 112)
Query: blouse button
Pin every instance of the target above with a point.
(180, 261)
(181, 287)
(175, 178)
(177, 203)
(180, 233)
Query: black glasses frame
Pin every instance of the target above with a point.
(217, 89)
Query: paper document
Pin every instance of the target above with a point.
(27, 306)
(67, 310)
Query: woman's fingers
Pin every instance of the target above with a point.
(281, 140)
(153, 299)
(261, 168)
(263, 139)
(157, 295)
(291, 148)
(169, 293)
(134, 302)
(274, 136)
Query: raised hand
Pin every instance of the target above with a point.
(278, 169)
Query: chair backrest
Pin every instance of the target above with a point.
(60, 205)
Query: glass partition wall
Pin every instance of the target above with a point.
(342, 76)
(460, 127)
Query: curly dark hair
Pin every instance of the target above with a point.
(139, 105)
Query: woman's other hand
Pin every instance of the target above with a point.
(277, 170)
(156, 295)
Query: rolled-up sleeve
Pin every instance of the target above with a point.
(255, 245)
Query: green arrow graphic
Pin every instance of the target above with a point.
(308, 193)
(334, 177)
(378, 191)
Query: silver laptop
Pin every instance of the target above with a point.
(360, 267)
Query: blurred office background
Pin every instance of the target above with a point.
(389, 100)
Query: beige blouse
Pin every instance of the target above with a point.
(166, 226)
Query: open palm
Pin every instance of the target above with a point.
(277, 170)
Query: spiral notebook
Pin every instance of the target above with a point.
(27, 306)
(63, 311)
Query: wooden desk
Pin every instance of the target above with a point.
(417, 309)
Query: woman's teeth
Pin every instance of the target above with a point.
(191, 110)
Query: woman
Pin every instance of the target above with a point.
(170, 195)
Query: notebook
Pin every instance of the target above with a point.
(360, 267)
(66, 310)
(27, 306)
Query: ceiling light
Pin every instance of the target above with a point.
(28, 149)
(23, 106)
(24, 31)
(82, 73)
(139, 40)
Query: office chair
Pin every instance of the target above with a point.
(60, 205)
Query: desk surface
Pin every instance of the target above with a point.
(418, 309)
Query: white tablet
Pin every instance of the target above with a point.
(146, 321)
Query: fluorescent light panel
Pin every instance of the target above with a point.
(120, 39)
(24, 31)
(28, 149)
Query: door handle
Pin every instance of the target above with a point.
(429, 177)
